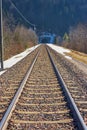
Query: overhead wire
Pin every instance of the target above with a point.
(22, 14)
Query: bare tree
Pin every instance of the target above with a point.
(17, 38)
(77, 38)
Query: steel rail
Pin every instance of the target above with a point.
(8, 113)
(76, 114)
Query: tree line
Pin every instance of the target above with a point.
(76, 39)
(16, 37)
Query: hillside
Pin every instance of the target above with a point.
(52, 15)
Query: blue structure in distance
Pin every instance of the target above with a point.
(47, 38)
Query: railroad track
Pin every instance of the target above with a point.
(10, 81)
(74, 80)
(42, 101)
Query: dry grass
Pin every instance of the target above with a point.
(14, 49)
(78, 56)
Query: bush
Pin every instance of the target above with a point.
(17, 38)
(77, 38)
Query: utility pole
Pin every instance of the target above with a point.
(1, 35)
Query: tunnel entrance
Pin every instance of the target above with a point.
(45, 40)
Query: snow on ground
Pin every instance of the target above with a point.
(60, 50)
(13, 60)
(68, 57)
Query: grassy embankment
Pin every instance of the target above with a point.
(82, 57)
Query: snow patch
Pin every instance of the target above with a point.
(60, 50)
(2, 72)
(68, 57)
(13, 60)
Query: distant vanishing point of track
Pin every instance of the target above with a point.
(38, 99)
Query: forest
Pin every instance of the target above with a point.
(56, 16)
(66, 18)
